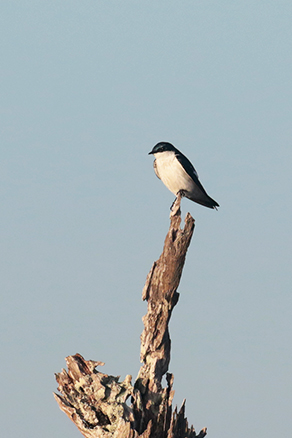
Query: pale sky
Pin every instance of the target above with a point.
(87, 89)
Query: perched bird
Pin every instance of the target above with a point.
(179, 175)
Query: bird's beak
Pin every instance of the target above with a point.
(150, 153)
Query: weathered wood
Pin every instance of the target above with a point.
(160, 291)
(96, 402)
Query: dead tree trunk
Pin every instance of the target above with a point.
(96, 402)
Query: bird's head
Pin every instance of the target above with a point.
(163, 146)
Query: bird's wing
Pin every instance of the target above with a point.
(155, 169)
(189, 168)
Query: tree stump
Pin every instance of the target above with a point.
(96, 402)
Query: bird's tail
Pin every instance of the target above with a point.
(206, 201)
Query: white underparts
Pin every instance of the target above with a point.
(172, 174)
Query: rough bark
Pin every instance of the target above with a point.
(97, 403)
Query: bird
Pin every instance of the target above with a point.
(179, 175)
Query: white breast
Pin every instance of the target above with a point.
(172, 174)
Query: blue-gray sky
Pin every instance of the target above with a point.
(87, 89)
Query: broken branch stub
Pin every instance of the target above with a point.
(160, 291)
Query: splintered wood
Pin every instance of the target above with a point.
(99, 404)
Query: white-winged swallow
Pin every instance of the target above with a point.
(179, 175)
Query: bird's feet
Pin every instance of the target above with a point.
(181, 193)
